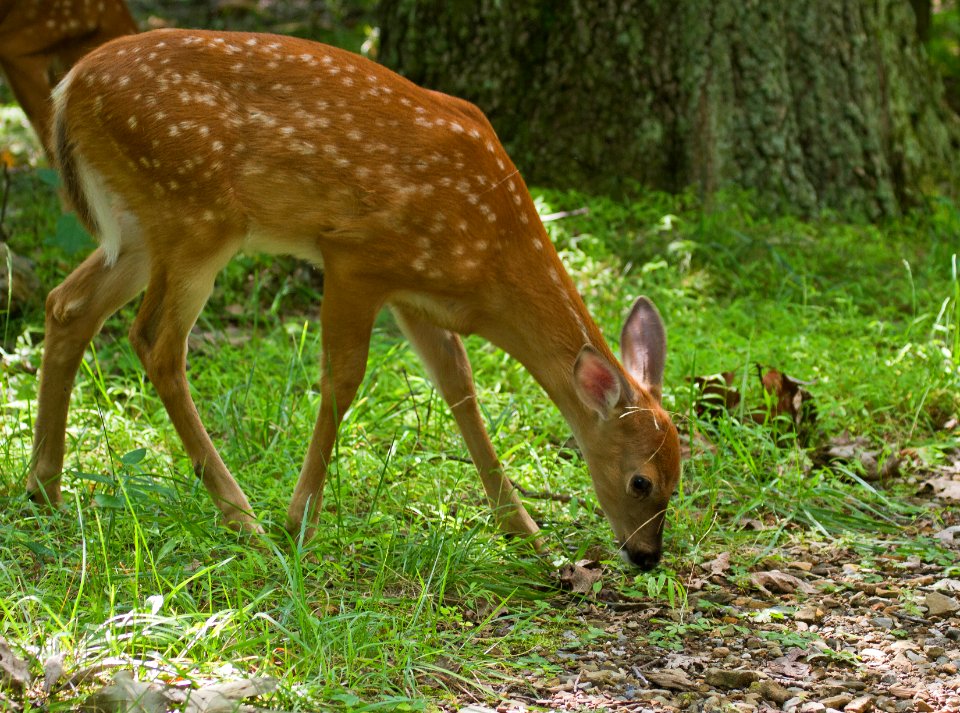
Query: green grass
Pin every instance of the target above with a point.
(408, 595)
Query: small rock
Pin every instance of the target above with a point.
(947, 668)
(901, 691)
(721, 678)
(792, 703)
(934, 652)
(859, 705)
(922, 706)
(770, 690)
(605, 678)
(809, 614)
(952, 633)
(812, 707)
(882, 622)
(838, 701)
(721, 652)
(885, 703)
(940, 604)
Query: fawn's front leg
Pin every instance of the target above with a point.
(447, 363)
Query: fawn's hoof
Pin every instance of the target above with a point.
(53, 501)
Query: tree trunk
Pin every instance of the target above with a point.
(813, 104)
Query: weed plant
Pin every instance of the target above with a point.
(408, 594)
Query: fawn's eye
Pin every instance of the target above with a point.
(640, 486)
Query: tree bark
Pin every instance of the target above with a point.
(812, 104)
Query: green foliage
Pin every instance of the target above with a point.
(944, 42)
(408, 592)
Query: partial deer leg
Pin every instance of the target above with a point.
(27, 78)
(76, 310)
(175, 295)
(446, 361)
(346, 315)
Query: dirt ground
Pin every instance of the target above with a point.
(823, 628)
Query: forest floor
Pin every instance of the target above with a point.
(832, 630)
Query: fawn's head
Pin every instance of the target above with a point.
(633, 451)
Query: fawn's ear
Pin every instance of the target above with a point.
(643, 346)
(597, 382)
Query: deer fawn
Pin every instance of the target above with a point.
(182, 148)
(41, 39)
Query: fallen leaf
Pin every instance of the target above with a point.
(779, 582)
(695, 444)
(950, 536)
(14, 671)
(245, 688)
(580, 576)
(223, 697)
(126, 695)
(52, 672)
(943, 488)
(716, 393)
(946, 585)
(718, 565)
(788, 665)
(847, 450)
(788, 394)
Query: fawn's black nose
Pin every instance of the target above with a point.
(644, 560)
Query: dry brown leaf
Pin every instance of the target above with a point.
(776, 582)
(788, 666)
(580, 576)
(126, 695)
(716, 393)
(718, 565)
(14, 671)
(52, 672)
(847, 450)
(943, 488)
(787, 398)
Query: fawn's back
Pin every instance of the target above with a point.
(283, 145)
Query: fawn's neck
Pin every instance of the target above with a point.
(548, 326)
